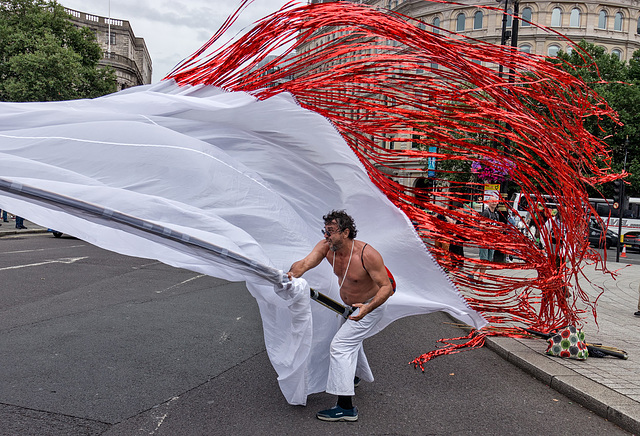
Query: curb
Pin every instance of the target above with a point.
(607, 403)
(15, 231)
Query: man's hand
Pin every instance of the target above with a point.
(285, 290)
(363, 309)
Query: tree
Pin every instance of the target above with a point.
(44, 57)
(618, 83)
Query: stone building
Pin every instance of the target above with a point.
(613, 25)
(123, 51)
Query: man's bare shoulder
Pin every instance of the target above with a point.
(322, 247)
(370, 255)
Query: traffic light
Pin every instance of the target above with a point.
(624, 205)
(617, 188)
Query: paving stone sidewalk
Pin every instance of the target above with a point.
(9, 227)
(608, 386)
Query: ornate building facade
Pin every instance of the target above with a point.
(123, 51)
(613, 25)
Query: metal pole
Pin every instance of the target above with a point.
(109, 31)
(503, 36)
(621, 201)
(141, 226)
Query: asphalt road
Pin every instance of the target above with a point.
(97, 343)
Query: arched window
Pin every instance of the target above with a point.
(477, 20)
(436, 23)
(525, 48)
(556, 17)
(526, 15)
(553, 50)
(509, 18)
(617, 21)
(569, 50)
(460, 21)
(617, 53)
(602, 20)
(574, 20)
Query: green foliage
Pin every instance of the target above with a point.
(619, 84)
(44, 57)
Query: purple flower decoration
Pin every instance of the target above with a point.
(491, 170)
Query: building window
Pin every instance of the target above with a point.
(553, 50)
(477, 20)
(436, 24)
(112, 39)
(574, 20)
(525, 48)
(602, 20)
(617, 21)
(509, 18)
(638, 26)
(617, 53)
(460, 21)
(556, 17)
(526, 15)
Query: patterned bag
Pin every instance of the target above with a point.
(568, 342)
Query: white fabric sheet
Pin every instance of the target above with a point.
(253, 177)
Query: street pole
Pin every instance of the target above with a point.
(503, 35)
(621, 201)
(109, 31)
(513, 34)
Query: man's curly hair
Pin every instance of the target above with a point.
(344, 221)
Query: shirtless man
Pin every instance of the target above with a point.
(365, 284)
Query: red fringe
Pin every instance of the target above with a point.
(381, 76)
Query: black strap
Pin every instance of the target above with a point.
(362, 257)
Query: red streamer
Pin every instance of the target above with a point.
(381, 76)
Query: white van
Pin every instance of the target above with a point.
(520, 204)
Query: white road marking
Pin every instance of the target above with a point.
(42, 249)
(66, 260)
(146, 265)
(160, 418)
(181, 283)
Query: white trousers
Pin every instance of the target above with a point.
(347, 355)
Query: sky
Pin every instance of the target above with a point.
(174, 29)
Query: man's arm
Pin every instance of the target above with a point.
(312, 260)
(378, 273)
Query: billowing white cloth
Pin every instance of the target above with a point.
(252, 177)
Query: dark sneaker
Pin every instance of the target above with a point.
(337, 413)
(637, 313)
(356, 382)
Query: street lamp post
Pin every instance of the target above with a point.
(109, 31)
(621, 201)
(513, 35)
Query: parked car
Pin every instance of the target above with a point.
(595, 235)
(56, 233)
(632, 240)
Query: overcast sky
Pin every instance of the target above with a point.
(174, 29)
